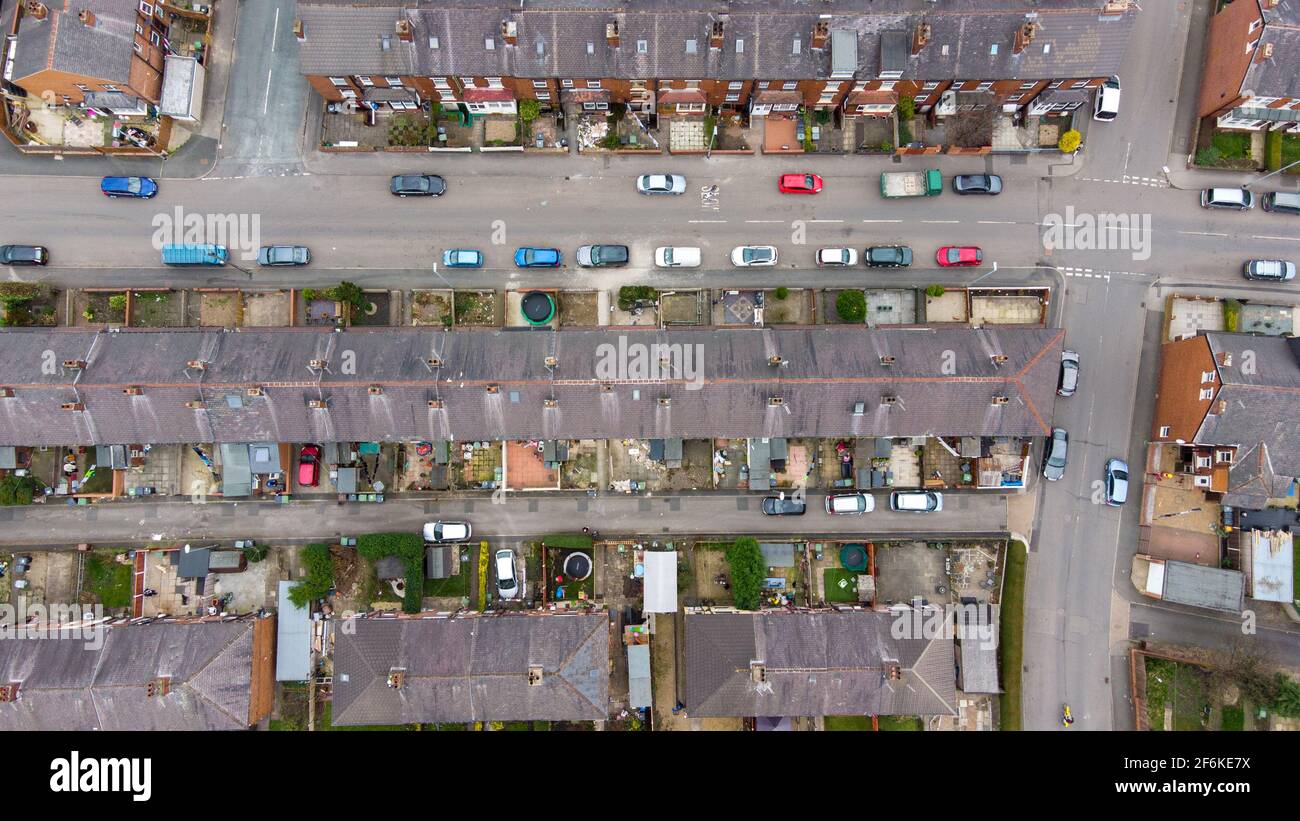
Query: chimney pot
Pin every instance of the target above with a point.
(611, 34)
(404, 31)
(37, 10)
(299, 30)
(509, 32)
(821, 34)
(1024, 36)
(715, 35)
(87, 18)
(920, 36)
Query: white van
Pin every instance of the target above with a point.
(677, 257)
(1106, 107)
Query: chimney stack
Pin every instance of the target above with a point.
(404, 31)
(821, 34)
(37, 10)
(920, 36)
(299, 30)
(1024, 36)
(715, 35)
(509, 32)
(611, 34)
(87, 18)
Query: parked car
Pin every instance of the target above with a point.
(507, 583)
(959, 256)
(977, 184)
(274, 255)
(1272, 270)
(462, 258)
(753, 256)
(782, 505)
(447, 532)
(1106, 107)
(916, 501)
(418, 185)
(1054, 455)
(836, 257)
(602, 256)
(677, 256)
(1068, 380)
(24, 255)
(1238, 199)
(799, 184)
(140, 188)
(538, 258)
(849, 504)
(888, 256)
(1116, 482)
(1281, 202)
(661, 184)
(309, 465)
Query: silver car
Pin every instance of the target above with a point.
(1054, 455)
(1068, 382)
(1270, 270)
(1116, 482)
(661, 184)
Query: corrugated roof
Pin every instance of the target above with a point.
(944, 381)
(293, 638)
(660, 581)
(472, 669)
(814, 664)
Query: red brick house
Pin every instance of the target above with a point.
(1251, 79)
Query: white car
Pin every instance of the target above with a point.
(1106, 108)
(661, 184)
(447, 532)
(837, 256)
(849, 504)
(753, 256)
(507, 583)
(674, 256)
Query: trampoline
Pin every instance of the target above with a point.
(577, 566)
(854, 557)
(537, 307)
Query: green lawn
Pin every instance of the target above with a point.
(109, 581)
(455, 585)
(1291, 152)
(834, 592)
(1180, 686)
(901, 723)
(1012, 633)
(848, 723)
(1234, 718)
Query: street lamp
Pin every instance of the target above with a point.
(440, 276)
(990, 273)
(1271, 173)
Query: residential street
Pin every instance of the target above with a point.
(520, 515)
(1080, 609)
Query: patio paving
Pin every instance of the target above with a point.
(904, 464)
(780, 134)
(1188, 317)
(950, 307)
(525, 469)
(738, 307)
(686, 134)
(1006, 310)
(1272, 320)
(893, 307)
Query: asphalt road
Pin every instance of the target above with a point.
(518, 515)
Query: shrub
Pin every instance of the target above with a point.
(1273, 150)
(781, 293)
(629, 294)
(823, 116)
(409, 547)
(88, 314)
(1209, 156)
(568, 541)
(435, 114)
(618, 111)
(309, 294)
(320, 575)
(851, 306)
(18, 490)
(1231, 315)
(255, 553)
(349, 293)
(745, 561)
(117, 302)
(1070, 142)
(906, 109)
(904, 133)
(529, 110)
(886, 145)
(610, 142)
(934, 291)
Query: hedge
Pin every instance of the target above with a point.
(568, 541)
(409, 547)
(1273, 150)
(629, 294)
(851, 306)
(320, 575)
(745, 559)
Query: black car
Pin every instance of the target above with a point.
(977, 184)
(888, 256)
(418, 185)
(783, 505)
(24, 255)
(602, 256)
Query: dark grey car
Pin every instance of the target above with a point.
(977, 184)
(273, 255)
(418, 185)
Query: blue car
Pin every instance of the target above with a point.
(462, 258)
(141, 188)
(537, 258)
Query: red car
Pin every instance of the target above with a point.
(799, 184)
(959, 256)
(309, 466)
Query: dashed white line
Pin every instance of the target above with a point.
(996, 222)
(708, 221)
(1265, 236)
(882, 220)
(825, 220)
(942, 222)
(1203, 233)
(765, 222)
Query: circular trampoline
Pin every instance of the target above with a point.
(537, 307)
(577, 566)
(854, 557)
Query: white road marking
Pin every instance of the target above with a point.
(266, 98)
(1203, 233)
(996, 222)
(942, 222)
(707, 221)
(766, 221)
(1264, 236)
(825, 220)
(882, 220)
(275, 31)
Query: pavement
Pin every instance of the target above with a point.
(517, 516)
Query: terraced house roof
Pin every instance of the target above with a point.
(168, 676)
(761, 38)
(777, 663)
(501, 668)
(90, 387)
(62, 42)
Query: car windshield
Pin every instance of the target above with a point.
(133, 185)
(1121, 476)
(808, 181)
(756, 254)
